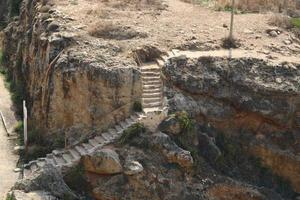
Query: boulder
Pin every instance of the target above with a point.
(49, 179)
(208, 147)
(171, 151)
(170, 125)
(103, 161)
(35, 195)
(133, 167)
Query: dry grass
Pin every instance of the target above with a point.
(109, 30)
(99, 12)
(259, 5)
(282, 21)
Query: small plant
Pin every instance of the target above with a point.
(186, 124)
(133, 131)
(137, 106)
(296, 22)
(229, 43)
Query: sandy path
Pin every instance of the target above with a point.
(7, 159)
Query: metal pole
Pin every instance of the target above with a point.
(231, 21)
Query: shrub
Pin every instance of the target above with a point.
(186, 124)
(280, 21)
(132, 132)
(296, 22)
(137, 106)
(228, 43)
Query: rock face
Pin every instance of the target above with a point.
(243, 95)
(69, 85)
(103, 161)
(47, 179)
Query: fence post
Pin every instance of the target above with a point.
(25, 124)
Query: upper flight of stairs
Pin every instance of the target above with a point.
(68, 157)
(152, 99)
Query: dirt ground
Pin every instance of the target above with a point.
(8, 160)
(123, 27)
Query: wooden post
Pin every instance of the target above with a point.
(25, 125)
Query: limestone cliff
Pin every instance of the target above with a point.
(244, 97)
(71, 86)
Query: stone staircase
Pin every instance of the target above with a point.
(66, 158)
(152, 99)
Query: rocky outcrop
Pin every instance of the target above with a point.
(171, 151)
(239, 96)
(72, 86)
(103, 161)
(46, 179)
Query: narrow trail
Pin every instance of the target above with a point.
(7, 159)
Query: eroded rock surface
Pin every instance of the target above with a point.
(71, 87)
(47, 179)
(103, 161)
(245, 97)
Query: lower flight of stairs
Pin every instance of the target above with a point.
(66, 158)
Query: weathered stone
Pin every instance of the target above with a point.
(35, 195)
(208, 148)
(103, 161)
(170, 125)
(171, 151)
(46, 179)
(53, 26)
(133, 167)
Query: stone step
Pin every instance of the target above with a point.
(119, 129)
(112, 131)
(67, 157)
(93, 142)
(75, 154)
(154, 68)
(41, 162)
(150, 73)
(57, 151)
(87, 146)
(100, 139)
(129, 121)
(151, 105)
(81, 150)
(50, 161)
(152, 95)
(107, 136)
(146, 78)
(124, 124)
(151, 100)
(152, 82)
(156, 86)
(156, 90)
(59, 161)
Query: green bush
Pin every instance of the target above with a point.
(186, 124)
(133, 131)
(137, 106)
(296, 22)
